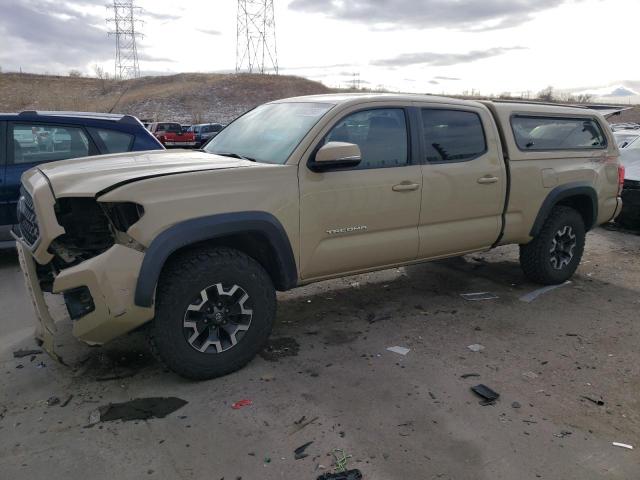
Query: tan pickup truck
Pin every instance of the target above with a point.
(194, 245)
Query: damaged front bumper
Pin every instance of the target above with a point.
(99, 292)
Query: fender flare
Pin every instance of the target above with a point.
(201, 229)
(560, 193)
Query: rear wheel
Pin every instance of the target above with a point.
(214, 311)
(554, 255)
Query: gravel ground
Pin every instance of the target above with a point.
(327, 378)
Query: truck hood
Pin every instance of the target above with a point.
(86, 177)
(631, 161)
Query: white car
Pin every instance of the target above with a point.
(629, 143)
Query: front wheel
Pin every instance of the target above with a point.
(553, 256)
(214, 311)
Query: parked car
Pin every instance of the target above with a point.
(31, 138)
(170, 134)
(629, 143)
(302, 190)
(205, 131)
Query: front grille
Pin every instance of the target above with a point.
(27, 218)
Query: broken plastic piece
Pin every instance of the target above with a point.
(476, 347)
(241, 403)
(622, 445)
(299, 452)
(600, 403)
(348, 475)
(531, 296)
(474, 297)
(485, 392)
(399, 350)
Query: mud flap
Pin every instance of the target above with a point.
(46, 327)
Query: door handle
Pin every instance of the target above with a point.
(406, 187)
(487, 179)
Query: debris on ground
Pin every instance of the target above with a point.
(600, 403)
(277, 348)
(516, 405)
(66, 402)
(623, 445)
(531, 296)
(299, 452)
(530, 375)
(486, 393)
(399, 350)
(138, 409)
(348, 475)
(474, 297)
(340, 460)
(562, 434)
(51, 401)
(41, 365)
(267, 460)
(469, 375)
(302, 424)
(25, 353)
(241, 403)
(3, 411)
(476, 347)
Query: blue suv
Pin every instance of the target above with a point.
(30, 138)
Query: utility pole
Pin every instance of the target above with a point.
(256, 49)
(125, 24)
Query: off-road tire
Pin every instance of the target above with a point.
(535, 256)
(182, 279)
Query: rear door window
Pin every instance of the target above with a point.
(557, 133)
(112, 140)
(452, 135)
(37, 143)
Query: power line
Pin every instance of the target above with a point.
(125, 26)
(256, 50)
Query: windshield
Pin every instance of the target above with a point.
(269, 133)
(170, 127)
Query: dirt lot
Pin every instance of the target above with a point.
(400, 417)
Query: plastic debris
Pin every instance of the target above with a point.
(241, 403)
(51, 401)
(469, 375)
(347, 475)
(622, 445)
(562, 434)
(300, 424)
(531, 296)
(139, 409)
(25, 353)
(476, 347)
(299, 452)
(600, 403)
(474, 297)
(486, 393)
(399, 350)
(530, 375)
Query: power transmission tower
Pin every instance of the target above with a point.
(256, 49)
(125, 30)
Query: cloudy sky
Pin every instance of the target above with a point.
(436, 46)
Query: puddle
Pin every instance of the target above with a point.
(277, 348)
(141, 409)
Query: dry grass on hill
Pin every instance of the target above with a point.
(188, 98)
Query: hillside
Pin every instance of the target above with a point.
(187, 98)
(631, 115)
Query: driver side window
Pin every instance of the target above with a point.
(381, 135)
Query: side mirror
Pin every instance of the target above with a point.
(336, 155)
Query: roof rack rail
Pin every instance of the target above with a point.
(115, 117)
(534, 102)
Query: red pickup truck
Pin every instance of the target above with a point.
(172, 135)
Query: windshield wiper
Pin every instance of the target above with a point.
(235, 155)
